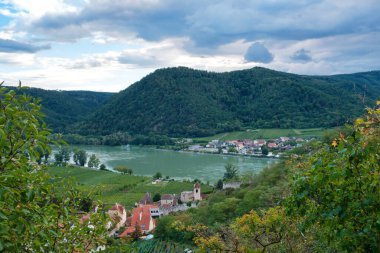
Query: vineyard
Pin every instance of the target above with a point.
(157, 246)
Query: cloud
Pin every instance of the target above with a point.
(12, 46)
(202, 22)
(136, 59)
(257, 52)
(302, 55)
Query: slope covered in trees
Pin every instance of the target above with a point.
(64, 108)
(186, 102)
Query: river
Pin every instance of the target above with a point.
(177, 165)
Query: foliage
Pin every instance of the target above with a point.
(137, 233)
(113, 187)
(271, 229)
(158, 175)
(62, 156)
(156, 197)
(264, 150)
(80, 157)
(231, 172)
(118, 138)
(166, 228)
(124, 170)
(93, 162)
(103, 167)
(219, 184)
(63, 108)
(338, 188)
(180, 102)
(37, 213)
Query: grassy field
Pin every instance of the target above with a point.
(111, 187)
(265, 134)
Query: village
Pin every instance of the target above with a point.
(274, 148)
(142, 219)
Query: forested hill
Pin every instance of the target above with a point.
(64, 108)
(186, 102)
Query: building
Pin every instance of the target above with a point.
(155, 212)
(147, 199)
(168, 199)
(195, 195)
(231, 185)
(118, 216)
(142, 217)
(197, 191)
(187, 196)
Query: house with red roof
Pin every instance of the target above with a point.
(141, 216)
(118, 216)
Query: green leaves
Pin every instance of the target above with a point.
(34, 208)
(338, 192)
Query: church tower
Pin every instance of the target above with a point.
(197, 191)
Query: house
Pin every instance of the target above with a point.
(195, 195)
(187, 196)
(155, 212)
(118, 216)
(147, 199)
(231, 185)
(141, 216)
(259, 143)
(248, 143)
(284, 139)
(168, 199)
(272, 145)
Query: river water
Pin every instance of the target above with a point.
(178, 165)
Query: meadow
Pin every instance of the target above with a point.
(266, 134)
(111, 187)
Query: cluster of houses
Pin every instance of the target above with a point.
(146, 212)
(250, 147)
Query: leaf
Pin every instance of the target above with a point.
(2, 216)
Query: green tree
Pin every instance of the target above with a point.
(156, 197)
(137, 233)
(93, 162)
(158, 175)
(124, 170)
(231, 172)
(219, 184)
(264, 150)
(62, 156)
(38, 213)
(80, 157)
(336, 191)
(103, 167)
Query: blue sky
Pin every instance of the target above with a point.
(108, 45)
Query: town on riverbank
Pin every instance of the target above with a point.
(271, 148)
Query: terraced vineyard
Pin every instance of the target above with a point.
(157, 246)
(112, 187)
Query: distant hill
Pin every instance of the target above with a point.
(186, 102)
(64, 108)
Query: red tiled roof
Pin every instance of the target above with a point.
(167, 197)
(143, 222)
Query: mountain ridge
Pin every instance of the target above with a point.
(182, 101)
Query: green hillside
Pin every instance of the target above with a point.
(186, 102)
(125, 189)
(63, 108)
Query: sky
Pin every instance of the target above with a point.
(108, 45)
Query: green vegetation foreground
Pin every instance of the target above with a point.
(37, 213)
(325, 199)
